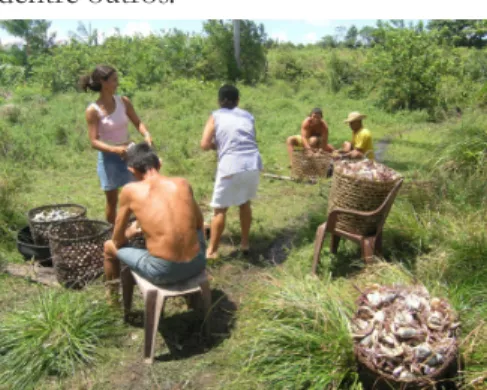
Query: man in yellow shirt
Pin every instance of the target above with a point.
(361, 145)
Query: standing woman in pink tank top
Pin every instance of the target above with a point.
(107, 120)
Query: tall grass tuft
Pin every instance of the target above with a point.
(56, 334)
(294, 334)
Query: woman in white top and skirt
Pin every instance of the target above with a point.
(107, 120)
(231, 132)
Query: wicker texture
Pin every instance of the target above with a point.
(40, 229)
(360, 194)
(77, 250)
(374, 380)
(305, 165)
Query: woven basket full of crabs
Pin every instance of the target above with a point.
(404, 338)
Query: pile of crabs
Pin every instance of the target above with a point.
(404, 332)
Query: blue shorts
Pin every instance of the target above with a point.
(159, 271)
(112, 171)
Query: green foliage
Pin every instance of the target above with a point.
(220, 56)
(464, 149)
(58, 333)
(34, 33)
(407, 68)
(469, 33)
(11, 75)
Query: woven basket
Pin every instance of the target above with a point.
(359, 194)
(372, 379)
(40, 229)
(77, 250)
(309, 166)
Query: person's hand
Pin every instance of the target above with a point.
(120, 150)
(133, 230)
(148, 139)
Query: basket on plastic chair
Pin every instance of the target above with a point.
(77, 250)
(360, 194)
(39, 229)
(309, 165)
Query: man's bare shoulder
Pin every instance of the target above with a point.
(129, 189)
(180, 182)
(306, 122)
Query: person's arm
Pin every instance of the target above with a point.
(123, 215)
(304, 134)
(324, 139)
(198, 214)
(207, 140)
(92, 120)
(361, 141)
(134, 118)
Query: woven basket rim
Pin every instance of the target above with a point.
(319, 154)
(54, 237)
(336, 171)
(435, 377)
(50, 206)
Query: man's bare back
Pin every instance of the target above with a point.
(166, 213)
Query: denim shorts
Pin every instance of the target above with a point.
(163, 272)
(112, 171)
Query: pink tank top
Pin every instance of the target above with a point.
(113, 128)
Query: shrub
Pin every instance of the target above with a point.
(58, 333)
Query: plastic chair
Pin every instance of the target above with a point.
(155, 298)
(369, 245)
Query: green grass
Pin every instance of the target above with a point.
(276, 327)
(58, 333)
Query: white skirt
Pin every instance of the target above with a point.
(235, 190)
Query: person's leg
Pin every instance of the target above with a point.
(314, 142)
(245, 222)
(292, 142)
(217, 227)
(111, 266)
(347, 146)
(112, 172)
(111, 205)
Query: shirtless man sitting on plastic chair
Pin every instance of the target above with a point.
(168, 216)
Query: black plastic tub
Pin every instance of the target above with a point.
(26, 246)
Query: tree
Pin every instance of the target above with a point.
(351, 37)
(407, 68)
(33, 32)
(340, 34)
(220, 52)
(366, 35)
(236, 41)
(328, 42)
(469, 33)
(85, 34)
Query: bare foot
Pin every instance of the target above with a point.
(213, 255)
